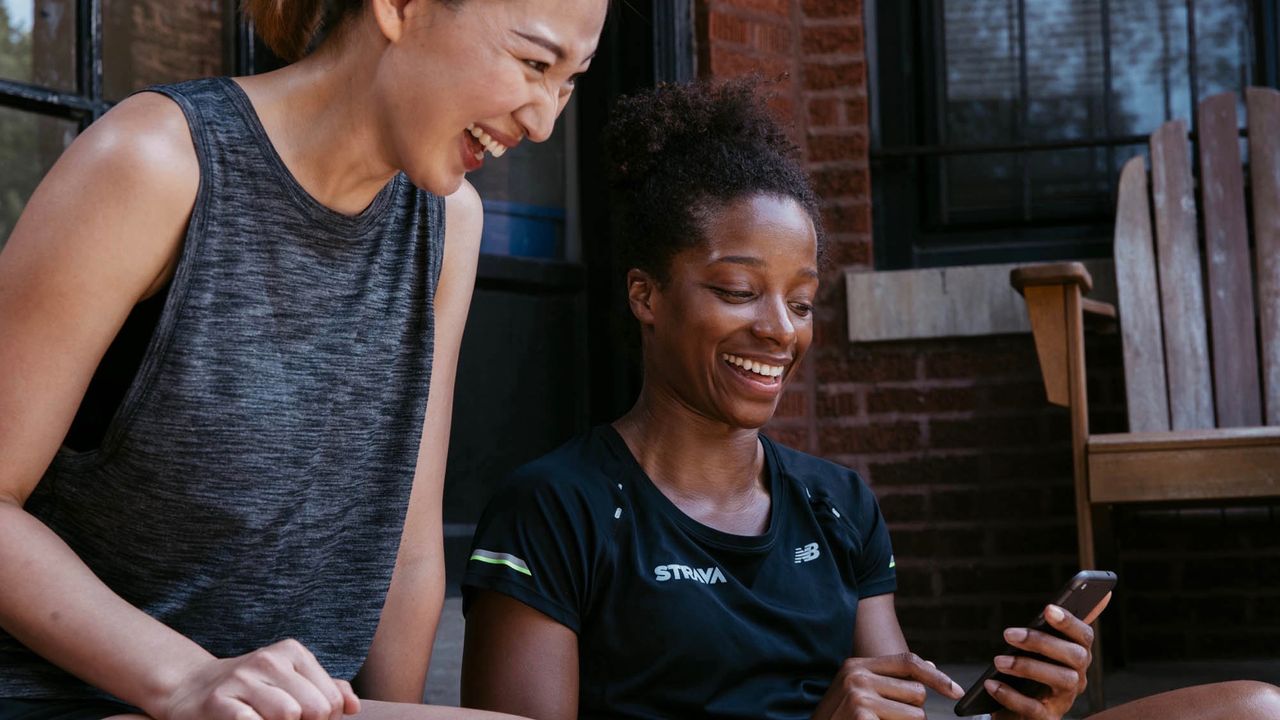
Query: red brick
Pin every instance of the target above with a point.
(832, 39)
(1031, 578)
(926, 470)
(994, 360)
(983, 433)
(771, 38)
(843, 145)
(1043, 539)
(903, 507)
(791, 436)
(841, 182)
(772, 7)
(794, 403)
(830, 76)
(835, 405)
(824, 112)
(892, 437)
(855, 111)
(1028, 394)
(726, 62)
(854, 252)
(1041, 464)
(908, 400)
(727, 28)
(847, 218)
(866, 364)
(832, 8)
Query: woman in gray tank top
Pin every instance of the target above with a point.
(257, 531)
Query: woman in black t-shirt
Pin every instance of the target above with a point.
(677, 563)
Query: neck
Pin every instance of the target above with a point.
(321, 116)
(689, 455)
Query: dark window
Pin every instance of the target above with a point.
(1001, 125)
(63, 63)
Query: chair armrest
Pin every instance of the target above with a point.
(1057, 311)
(1065, 273)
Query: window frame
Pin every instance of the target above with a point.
(87, 103)
(899, 34)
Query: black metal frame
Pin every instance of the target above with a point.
(87, 103)
(906, 72)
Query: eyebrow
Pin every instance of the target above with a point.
(550, 45)
(756, 262)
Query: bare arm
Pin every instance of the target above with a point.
(396, 668)
(517, 660)
(101, 232)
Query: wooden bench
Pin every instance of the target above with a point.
(1201, 341)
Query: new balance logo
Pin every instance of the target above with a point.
(807, 553)
(706, 576)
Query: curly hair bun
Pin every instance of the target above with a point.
(676, 150)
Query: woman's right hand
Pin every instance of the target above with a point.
(890, 687)
(283, 681)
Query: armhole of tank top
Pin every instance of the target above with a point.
(158, 345)
(439, 223)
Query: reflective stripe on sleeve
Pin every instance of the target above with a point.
(497, 558)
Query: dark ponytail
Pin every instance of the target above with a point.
(289, 26)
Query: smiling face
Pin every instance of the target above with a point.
(728, 328)
(462, 82)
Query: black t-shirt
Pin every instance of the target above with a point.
(676, 619)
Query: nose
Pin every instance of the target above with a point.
(538, 117)
(774, 323)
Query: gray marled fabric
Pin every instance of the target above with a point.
(253, 485)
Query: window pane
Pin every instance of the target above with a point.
(1223, 48)
(1065, 70)
(29, 144)
(1150, 55)
(37, 42)
(524, 197)
(159, 41)
(982, 71)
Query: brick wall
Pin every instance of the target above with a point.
(972, 467)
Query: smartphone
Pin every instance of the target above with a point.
(1079, 597)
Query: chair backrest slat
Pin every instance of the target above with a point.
(1139, 298)
(1264, 174)
(1226, 241)
(1181, 290)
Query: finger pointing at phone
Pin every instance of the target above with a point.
(889, 687)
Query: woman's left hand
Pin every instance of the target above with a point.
(1063, 671)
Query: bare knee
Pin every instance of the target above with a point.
(1257, 699)
(1234, 700)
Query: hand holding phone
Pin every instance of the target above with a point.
(1053, 649)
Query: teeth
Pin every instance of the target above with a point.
(758, 368)
(494, 147)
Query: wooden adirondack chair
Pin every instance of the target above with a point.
(1204, 423)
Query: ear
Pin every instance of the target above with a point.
(642, 293)
(390, 17)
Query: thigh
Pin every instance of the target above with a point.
(1238, 700)
(23, 709)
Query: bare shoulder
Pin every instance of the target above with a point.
(143, 142)
(118, 199)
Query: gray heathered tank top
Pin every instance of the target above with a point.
(253, 484)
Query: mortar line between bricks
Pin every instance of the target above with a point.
(751, 14)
